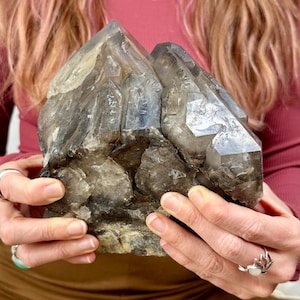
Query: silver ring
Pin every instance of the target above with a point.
(5, 171)
(260, 266)
(16, 260)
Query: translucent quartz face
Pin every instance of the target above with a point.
(121, 127)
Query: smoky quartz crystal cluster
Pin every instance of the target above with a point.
(120, 127)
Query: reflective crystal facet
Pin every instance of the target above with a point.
(208, 128)
(121, 127)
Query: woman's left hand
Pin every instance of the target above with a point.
(231, 235)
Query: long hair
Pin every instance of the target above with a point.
(40, 36)
(250, 46)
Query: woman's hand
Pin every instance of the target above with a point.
(231, 235)
(41, 240)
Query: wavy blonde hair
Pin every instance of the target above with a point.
(40, 36)
(250, 46)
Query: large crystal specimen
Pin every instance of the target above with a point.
(121, 127)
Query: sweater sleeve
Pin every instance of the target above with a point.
(281, 153)
(6, 108)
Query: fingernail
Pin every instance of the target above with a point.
(156, 223)
(170, 202)
(86, 244)
(53, 191)
(77, 228)
(196, 194)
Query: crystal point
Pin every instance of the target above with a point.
(120, 127)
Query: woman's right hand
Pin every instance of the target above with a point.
(40, 240)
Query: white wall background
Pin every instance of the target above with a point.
(13, 136)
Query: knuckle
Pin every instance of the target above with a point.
(62, 251)
(7, 235)
(260, 291)
(266, 290)
(242, 295)
(292, 237)
(218, 214)
(5, 188)
(284, 275)
(252, 230)
(185, 262)
(177, 238)
(48, 231)
(211, 264)
(230, 247)
(28, 260)
(6, 238)
(193, 218)
(30, 193)
(25, 252)
(205, 275)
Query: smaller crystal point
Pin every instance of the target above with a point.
(121, 127)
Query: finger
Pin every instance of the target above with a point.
(176, 237)
(21, 230)
(25, 165)
(82, 259)
(271, 204)
(75, 251)
(250, 225)
(227, 244)
(40, 191)
(207, 268)
(195, 255)
(247, 287)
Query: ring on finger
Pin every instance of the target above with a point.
(260, 265)
(16, 260)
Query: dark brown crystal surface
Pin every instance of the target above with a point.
(121, 127)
